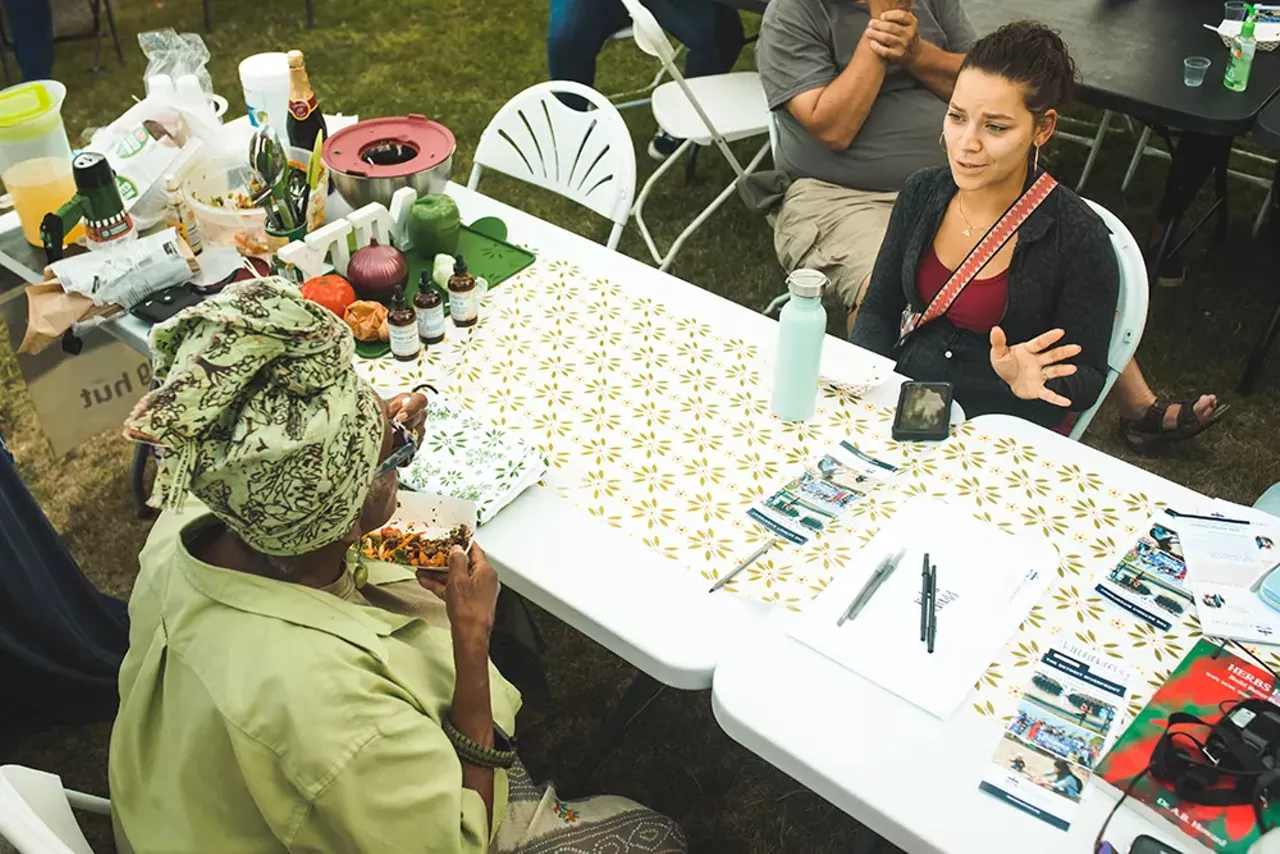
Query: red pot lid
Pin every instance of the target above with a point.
(393, 147)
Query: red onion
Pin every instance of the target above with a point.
(376, 271)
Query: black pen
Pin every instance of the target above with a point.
(933, 606)
(924, 599)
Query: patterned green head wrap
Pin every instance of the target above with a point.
(262, 417)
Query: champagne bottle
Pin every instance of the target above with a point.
(306, 122)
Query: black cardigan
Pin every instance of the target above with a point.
(1063, 275)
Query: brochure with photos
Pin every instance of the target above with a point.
(1064, 722)
(1150, 581)
(820, 494)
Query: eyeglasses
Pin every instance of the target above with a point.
(404, 448)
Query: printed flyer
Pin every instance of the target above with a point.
(1064, 722)
(1150, 581)
(822, 493)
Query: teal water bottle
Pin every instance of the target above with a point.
(800, 331)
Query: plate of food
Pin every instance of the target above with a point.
(417, 538)
(420, 549)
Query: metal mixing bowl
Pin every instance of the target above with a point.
(372, 159)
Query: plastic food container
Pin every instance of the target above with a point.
(217, 188)
(35, 157)
(265, 80)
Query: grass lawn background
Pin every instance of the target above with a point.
(458, 62)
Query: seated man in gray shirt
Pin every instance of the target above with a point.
(859, 91)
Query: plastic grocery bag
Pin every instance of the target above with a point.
(176, 54)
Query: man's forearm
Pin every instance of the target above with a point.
(937, 69)
(844, 104)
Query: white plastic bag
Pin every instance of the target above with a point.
(175, 55)
(127, 274)
(139, 159)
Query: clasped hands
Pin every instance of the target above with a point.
(893, 32)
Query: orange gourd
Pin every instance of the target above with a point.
(332, 291)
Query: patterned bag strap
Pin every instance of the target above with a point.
(991, 243)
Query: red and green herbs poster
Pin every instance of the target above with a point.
(1207, 677)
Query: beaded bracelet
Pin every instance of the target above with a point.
(470, 751)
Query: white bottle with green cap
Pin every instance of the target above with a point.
(1243, 47)
(801, 327)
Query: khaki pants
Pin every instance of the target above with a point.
(833, 229)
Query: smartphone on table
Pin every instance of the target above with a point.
(1150, 845)
(924, 412)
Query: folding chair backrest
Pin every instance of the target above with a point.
(648, 33)
(587, 156)
(1131, 308)
(653, 41)
(35, 815)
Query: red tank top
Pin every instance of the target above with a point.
(980, 305)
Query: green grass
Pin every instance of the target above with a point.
(458, 62)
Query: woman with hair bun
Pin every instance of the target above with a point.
(1028, 334)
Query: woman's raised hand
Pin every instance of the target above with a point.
(1026, 367)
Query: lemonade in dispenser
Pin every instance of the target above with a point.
(35, 157)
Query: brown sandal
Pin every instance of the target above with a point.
(1146, 434)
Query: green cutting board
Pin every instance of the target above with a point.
(488, 258)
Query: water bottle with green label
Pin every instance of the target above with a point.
(1243, 47)
(801, 327)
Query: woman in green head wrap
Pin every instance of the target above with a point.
(261, 416)
(268, 702)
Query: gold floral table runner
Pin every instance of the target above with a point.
(655, 424)
(650, 420)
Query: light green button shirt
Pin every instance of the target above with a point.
(259, 715)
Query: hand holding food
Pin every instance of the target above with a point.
(410, 409)
(471, 595)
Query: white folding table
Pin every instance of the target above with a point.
(905, 774)
(605, 584)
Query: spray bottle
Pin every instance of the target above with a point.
(1243, 47)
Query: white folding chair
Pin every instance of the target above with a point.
(1131, 309)
(35, 812)
(719, 109)
(775, 305)
(1142, 149)
(622, 35)
(587, 156)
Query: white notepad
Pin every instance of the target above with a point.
(988, 581)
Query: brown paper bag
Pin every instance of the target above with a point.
(51, 311)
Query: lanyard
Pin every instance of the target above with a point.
(991, 243)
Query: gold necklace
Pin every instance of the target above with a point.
(968, 230)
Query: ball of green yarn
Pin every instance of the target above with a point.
(434, 223)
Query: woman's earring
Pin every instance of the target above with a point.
(1035, 164)
(942, 142)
